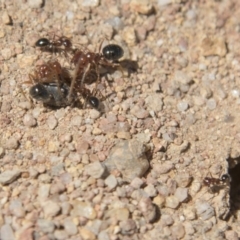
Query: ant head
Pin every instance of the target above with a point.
(94, 102)
(112, 52)
(225, 178)
(42, 42)
(39, 92)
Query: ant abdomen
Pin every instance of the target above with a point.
(112, 52)
(42, 42)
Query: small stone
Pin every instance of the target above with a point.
(164, 2)
(181, 194)
(11, 143)
(87, 234)
(51, 208)
(70, 227)
(182, 106)
(83, 209)
(52, 122)
(211, 104)
(111, 182)
(150, 190)
(183, 179)
(35, 3)
(167, 220)
(6, 232)
(124, 135)
(172, 202)
(29, 120)
(6, 19)
(141, 6)
(129, 158)
(26, 234)
(53, 146)
(129, 35)
(231, 235)
(204, 210)
(16, 208)
(178, 231)
(154, 102)
(82, 147)
(9, 176)
(94, 114)
(148, 209)
(214, 46)
(76, 121)
(103, 235)
(140, 113)
(162, 168)
(128, 227)
(60, 234)
(189, 213)
(45, 225)
(95, 169)
(182, 77)
(121, 214)
(43, 191)
(159, 200)
(137, 183)
(24, 60)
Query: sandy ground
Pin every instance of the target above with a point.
(135, 169)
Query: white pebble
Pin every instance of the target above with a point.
(211, 104)
(182, 106)
(111, 182)
(235, 93)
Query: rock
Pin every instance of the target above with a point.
(182, 77)
(83, 209)
(124, 135)
(26, 234)
(137, 183)
(178, 231)
(9, 176)
(128, 227)
(141, 6)
(204, 210)
(11, 144)
(87, 234)
(111, 182)
(214, 46)
(43, 191)
(70, 227)
(148, 209)
(183, 179)
(35, 3)
(167, 220)
(29, 120)
(129, 158)
(6, 232)
(121, 214)
(140, 113)
(60, 234)
(181, 194)
(52, 122)
(6, 19)
(89, 3)
(129, 35)
(45, 225)
(95, 169)
(172, 202)
(154, 102)
(150, 190)
(50, 208)
(16, 208)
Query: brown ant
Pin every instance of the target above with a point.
(55, 45)
(216, 184)
(87, 64)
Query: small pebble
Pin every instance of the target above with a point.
(178, 231)
(6, 19)
(211, 104)
(29, 120)
(150, 190)
(50, 208)
(181, 194)
(172, 202)
(52, 122)
(94, 114)
(95, 169)
(11, 143)
(35, 3)
(9, 176)
(6, 232)
(167, 220)
(60, 234)
(137, 183)
(16, 208)
(111, 182)
(182, 106)
(128, 227)
(83, 209)
(87, 234)
(143, 6)
(148, 209)
(46, 226)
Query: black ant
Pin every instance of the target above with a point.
(55, 45)
(87, 64)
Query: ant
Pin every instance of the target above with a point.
(55, 45)
(87, 63)
(216, 184)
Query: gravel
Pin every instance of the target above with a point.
(134, 168)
